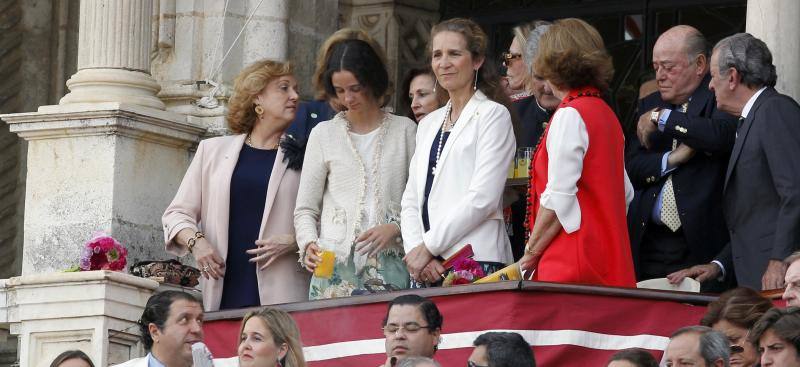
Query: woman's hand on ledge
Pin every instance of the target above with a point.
(208, 260)
(311, 256)
(272, 248)
(377, 238)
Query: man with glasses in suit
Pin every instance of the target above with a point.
(413, 327)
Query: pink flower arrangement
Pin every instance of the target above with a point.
(103, 252)
(465, 271)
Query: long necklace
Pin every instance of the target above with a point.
(445, 121)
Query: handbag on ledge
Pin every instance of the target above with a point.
(167, 271)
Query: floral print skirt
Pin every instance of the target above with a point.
(383, 273)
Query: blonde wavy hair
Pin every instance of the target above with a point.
(250, 82)
(327, 48)
(283, 330)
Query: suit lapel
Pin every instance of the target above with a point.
(741, 134)
(278, 170)
(700, 98)
(231, 156)
(464, 120)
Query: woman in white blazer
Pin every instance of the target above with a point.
(233, 210)
(454, 193)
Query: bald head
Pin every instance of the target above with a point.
(680, 62)
(686, 37)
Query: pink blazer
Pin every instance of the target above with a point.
(202, 203)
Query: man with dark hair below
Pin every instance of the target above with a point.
(677, 162)
(762, 186)
(697, 346)
(413, 327)
(171, 322)
(632, 357)
(777, 336)
(496, 349)
(792, 292)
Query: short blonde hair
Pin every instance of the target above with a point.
(250, 82)
(327, 48)
(572, 55)
(283, 330)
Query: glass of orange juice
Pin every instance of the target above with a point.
(523, 161)
(324, 268)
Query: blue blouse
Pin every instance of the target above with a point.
(248, 197)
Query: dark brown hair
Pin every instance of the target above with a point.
(572, 55)
(71, 354)
(785, 323)
(739, 306)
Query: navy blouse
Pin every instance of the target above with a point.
(248, 197)
(429, 180)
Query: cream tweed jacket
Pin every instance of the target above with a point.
(332, 188)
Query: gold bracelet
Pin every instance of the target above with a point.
(192, 241)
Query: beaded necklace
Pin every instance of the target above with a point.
(529, 206)
(376, 158)
(445, 125)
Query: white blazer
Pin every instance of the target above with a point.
(465, 202)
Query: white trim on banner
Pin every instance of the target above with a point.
(579, 338)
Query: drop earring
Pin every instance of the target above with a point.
(475, 84)
(435, 84)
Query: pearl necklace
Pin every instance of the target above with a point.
(446, 118)
(249, 143)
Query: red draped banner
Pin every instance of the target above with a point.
(566, 325)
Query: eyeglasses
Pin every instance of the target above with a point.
(411, 327)
(508, 57)
(737, 349)
(473, 364)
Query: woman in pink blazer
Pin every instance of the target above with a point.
(234, 209)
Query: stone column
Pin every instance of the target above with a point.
(94, 311)
(775, 23)
(114, 41)
(267, 34)
(108, 166)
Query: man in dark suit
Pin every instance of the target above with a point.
(677, 162)
(308, 115)
(762, 183)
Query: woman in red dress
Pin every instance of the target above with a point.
(579, 190)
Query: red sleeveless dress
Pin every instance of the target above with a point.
(598, 253)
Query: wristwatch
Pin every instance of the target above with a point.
(654, 115)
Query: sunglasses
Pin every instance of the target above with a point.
(473, 364)
(508, 57)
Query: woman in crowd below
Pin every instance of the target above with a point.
(632, 357)
(355, 170)
(72, 358)
(734, 313)
(423, 96)
(234, 207)
(270, 338)
(578, 196)
(456, 180)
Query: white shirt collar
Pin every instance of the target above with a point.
(750, 102)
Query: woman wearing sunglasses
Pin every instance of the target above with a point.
(734, 313)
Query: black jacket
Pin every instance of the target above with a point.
(697, 184)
